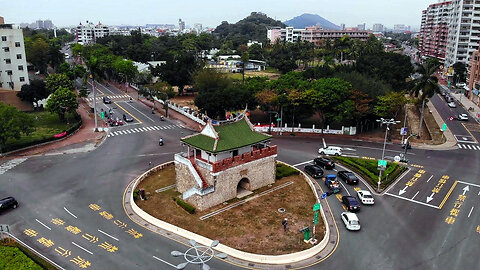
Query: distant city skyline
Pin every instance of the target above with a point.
(211, 13)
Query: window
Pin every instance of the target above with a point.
(6, 49)
(17, 44)
(4, 38)
(20, 67)
(9, 72)
(8, 61)
(19, 56)
(22, 79)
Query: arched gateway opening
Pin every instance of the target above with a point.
(243, 188)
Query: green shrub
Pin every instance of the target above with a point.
(13, 258)
(284, 171)
(136, 195)
(189, 208)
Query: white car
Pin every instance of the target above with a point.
(351, 221)
(463, 117)
(365, 197)
(452, 104)
(331, 150)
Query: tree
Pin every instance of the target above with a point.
(54, 55)
(57, 80)
(36, 50)
(178, 70)
(125, 70)
(282, 57)
(33, 92)
(13, 124)
(459, 71)
(62, 101)
(245, 58)
(388, 105)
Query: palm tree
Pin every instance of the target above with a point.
(426, 85)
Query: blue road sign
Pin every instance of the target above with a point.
(324, 195)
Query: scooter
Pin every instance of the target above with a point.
(160, 143)
(162, 118)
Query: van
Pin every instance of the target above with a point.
(330, 150)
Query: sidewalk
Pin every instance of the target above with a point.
(84, 140)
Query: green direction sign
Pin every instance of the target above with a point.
(315, 218)
(444, 127)
(279, 119)
(102, 114)
(382, 163)
(317, 207)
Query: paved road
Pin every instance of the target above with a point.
(71, 210)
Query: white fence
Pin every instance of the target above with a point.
(299, 129)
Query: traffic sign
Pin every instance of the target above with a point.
(317, 206)
(324, 195)
(404, 131)
(315, 218)
(102, 115)
(444, 127)
(396, 158)
(4, 228)
(279, 119)
(382, 163)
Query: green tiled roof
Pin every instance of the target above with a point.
(231, 136)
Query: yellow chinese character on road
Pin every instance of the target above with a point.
(410, 183)
(421, 171)
(82, 263)
(108, 247)
(90, 238)
(418, 175)
(57, 221)
(94, 207)
(46, 242)
(454, 212)
(446, 177)
(450, 220)
(462, 197)
(30, 232)
(457, 204)
(134, 233)
(437, 189)
(120, 224)
(442, 181)
(73, 229)
(106, 215)
(478, 228)
(63, 252)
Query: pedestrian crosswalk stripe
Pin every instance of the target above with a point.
(111, 97)
(156, 128)
(469, 146)
(142, 129)
(10, 164)
(128, 131)
(149, 128)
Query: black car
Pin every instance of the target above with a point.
(7, 203)
(324, 162)
(127, 118)
(107, 100)
(348, 177)
(351, 203)
(314, 171)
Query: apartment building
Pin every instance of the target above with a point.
(474, 79)
(13, 62)
(88, 33)
(378, 27)
(434, 30)
(463, 32)
(313, 34)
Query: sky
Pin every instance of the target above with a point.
(211, 12)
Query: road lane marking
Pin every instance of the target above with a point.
(116, 103)
(84, 249)
(344, 188)
(415, 195)
(140, 112)
(473, 137)
(108, 235)
(174, 266)
(43, 224)
(410, 200)
(429, 178)
(69, 212)
(470, 211)
(301, 163)
(448, 195)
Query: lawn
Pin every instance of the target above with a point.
(254, 226)
(13, 256)
(367, 169)
(46, 125)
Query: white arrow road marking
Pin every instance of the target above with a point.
(403, 190)
(465, 189)
(430, 198)
(470, 211)
(324, 143)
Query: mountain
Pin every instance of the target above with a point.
(253, 27)
(306, 19)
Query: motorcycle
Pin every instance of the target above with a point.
(160, 143)
(162, 118)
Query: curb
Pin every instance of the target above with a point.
(298, 260)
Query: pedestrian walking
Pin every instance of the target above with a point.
(284, 223)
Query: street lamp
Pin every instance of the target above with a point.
(382, 168)
(94, 103)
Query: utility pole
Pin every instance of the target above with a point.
(94, 104)
(404, 120)
(382, 168)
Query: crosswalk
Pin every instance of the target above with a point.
(141, 129)
(10, 164)
(468, 146)
(110, 97)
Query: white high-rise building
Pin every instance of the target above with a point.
(378, 27)
(86, 34)
(181, 25)
(463, 32)
(13, 61)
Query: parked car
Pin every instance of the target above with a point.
(351, 203)
(348, 177)
(330, 150)
(351, 221)
(452, 104)
(365, 197)
(314, 171)
(107, 100)
(463, 117)
(332, 183)
(7, 203)
(127, 118)
(324, 162)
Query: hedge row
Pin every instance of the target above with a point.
(368, 170)
(17, 146)
(284, 171)
(189, 208)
